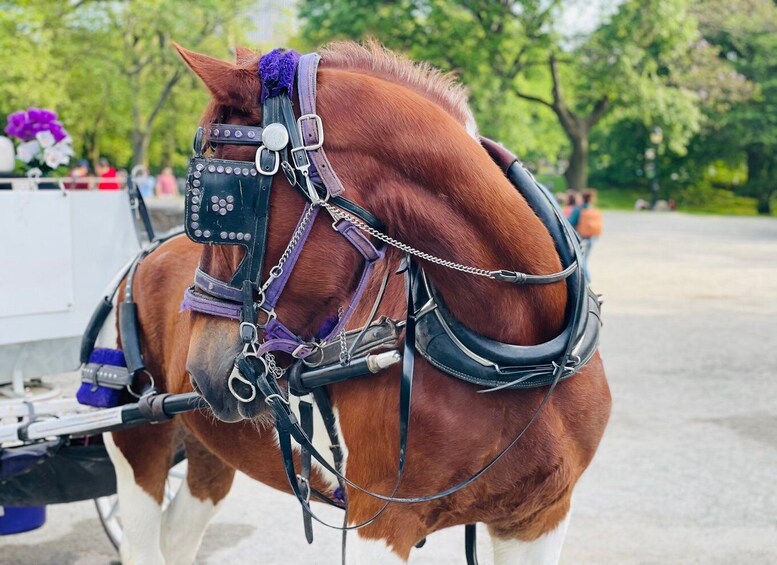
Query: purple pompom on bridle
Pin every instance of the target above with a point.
(276, 71)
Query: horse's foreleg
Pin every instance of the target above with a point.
(208, 481)
(544, 550)
(141, 458)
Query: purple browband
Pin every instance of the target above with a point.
(219, 298)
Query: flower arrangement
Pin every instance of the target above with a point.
(44, 144)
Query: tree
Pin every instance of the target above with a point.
(745, 32)
(148, 64)
(109, 68)
(637, 61)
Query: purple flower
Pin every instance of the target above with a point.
(58, 131)
(25, 125)
(16, 123)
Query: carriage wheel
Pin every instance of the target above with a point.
(108, 506)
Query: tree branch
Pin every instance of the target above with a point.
(601, 107)
(163, 97)
(569, 121)
(533, 98)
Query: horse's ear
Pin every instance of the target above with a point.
(245, 56)
(229, 84)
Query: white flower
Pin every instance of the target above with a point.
(65, 147)
(26, 151)
(45, 138)
(55, 156)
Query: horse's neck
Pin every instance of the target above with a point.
(465, 210)
(437, 190)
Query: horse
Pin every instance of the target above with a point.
(404, 144)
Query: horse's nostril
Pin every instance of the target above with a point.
(194, 385)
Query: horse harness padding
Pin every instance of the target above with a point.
(227, 203)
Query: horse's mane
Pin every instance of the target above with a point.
(375, 60)
(372, 59)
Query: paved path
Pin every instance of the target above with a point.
(687, 471)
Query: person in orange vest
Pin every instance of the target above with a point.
(587, 220)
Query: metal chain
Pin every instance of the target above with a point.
(277, 270)
(345, 358)
(273, 366)
(341, 214)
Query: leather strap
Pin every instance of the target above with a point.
(470, 544)
(230, 134)
(306, 420)
(216, 288)
(306, 87)
(408, 365)
(136, 199)
(152, 407)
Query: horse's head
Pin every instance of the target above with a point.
(326, 271)
(401, 140)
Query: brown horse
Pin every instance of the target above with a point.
(402, 140)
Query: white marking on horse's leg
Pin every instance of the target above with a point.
(545, 550)
(360, 550)
(183, 526)
(141, 516)
(321, 440)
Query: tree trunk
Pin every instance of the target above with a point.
(760, 181)
(140, 142)
(577, 171)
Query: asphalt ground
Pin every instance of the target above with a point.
(687, 470)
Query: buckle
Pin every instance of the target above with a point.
(304, 487)
(299, 157)
(319, 131)
(258, 162)
(270, 316)
(248, 333)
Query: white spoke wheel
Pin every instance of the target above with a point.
(108, 506)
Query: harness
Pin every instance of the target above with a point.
(227, 203)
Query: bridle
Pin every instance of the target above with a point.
(227, 203)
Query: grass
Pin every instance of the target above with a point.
(693, 200)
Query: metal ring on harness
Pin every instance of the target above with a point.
(151, 386)
(242, 379)
(258, 161)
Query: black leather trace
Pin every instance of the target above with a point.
(458, 351)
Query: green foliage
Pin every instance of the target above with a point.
(109, 69)
(746, 33)
(704, 71)
(645, 65)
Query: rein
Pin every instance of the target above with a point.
(228, 204)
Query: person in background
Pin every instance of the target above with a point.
(166, 186)
(106, 172)
(573, 200)
(80, 171)
(123, 176)
(144, 180)
(587, 220)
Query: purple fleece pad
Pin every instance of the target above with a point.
(106, 356)
(101, 396)
(276, 71)
(98, 396)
